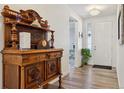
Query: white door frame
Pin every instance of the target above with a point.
(101, 41)
(92, 22)
(76, 40)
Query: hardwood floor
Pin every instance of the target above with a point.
(89, 78)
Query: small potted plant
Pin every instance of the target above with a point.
(85, 52)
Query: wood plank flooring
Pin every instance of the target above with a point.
(89, 78)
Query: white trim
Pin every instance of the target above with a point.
(100, 19)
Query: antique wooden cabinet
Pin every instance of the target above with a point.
(34, 67)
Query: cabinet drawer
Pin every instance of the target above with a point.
(30, 58)
(55, 55)
(34, 74)
(42, 57)
(52, 68)
(34, 58)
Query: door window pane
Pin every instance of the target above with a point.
(89, 36)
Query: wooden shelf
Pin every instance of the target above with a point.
(30, 26)
(16, 22)
(16, 51)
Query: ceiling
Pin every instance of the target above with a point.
(83, 9)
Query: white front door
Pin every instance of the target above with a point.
(102, 43)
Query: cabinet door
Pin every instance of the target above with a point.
(52, 68)
(34, 75)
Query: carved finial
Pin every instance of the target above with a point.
(46, 22)
(35, 16)
(6, 7)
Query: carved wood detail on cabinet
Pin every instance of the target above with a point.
(37, 68)
(34, 75)
(52, 68)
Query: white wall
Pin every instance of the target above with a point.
(58, 18)
(120, 59)
(111, 18)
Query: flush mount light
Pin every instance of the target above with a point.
(94, 12)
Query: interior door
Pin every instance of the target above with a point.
(102, 43)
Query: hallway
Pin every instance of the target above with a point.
(49, 53)
(90, 78)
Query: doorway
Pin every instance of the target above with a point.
(103, 43)
(99, 38)
(72, 42)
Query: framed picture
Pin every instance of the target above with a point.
(121, 25)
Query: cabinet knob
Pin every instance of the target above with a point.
(48, 56)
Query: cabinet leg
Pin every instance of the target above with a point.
(45, 86)
(60, 81)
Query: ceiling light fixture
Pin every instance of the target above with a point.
(94, 11)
